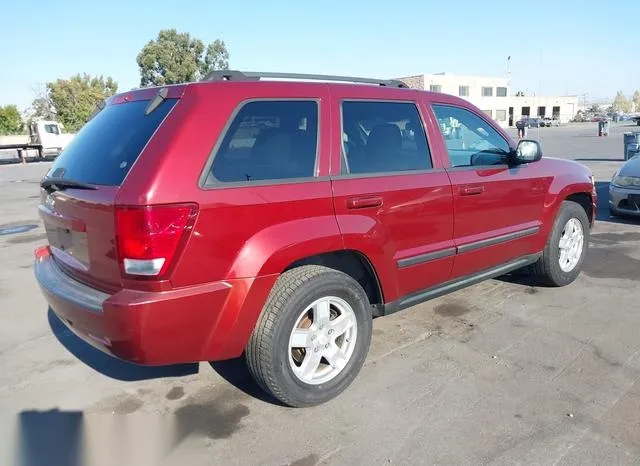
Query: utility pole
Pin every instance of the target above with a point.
(584, 101)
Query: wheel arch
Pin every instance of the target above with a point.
(271, 250)
(353, 263)
(585, 200)
(580, 193)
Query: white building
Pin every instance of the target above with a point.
(492, 95)
(563, 108)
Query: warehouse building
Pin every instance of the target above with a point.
(492, 95)
(564, 108)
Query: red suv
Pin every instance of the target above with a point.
(275, 219)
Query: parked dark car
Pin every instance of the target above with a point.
(274, 219)
(624, 189)
(531, 122)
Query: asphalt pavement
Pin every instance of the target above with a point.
(499, 373)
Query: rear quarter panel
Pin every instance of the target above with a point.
(242, 230)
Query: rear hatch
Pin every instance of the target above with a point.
(79, 191)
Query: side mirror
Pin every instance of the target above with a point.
(528, 151)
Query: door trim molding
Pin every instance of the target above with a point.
(454, 250)
(483, 243)
(429, 256)
(452, 285)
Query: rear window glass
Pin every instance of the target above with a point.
(268, 140)
(105, 149)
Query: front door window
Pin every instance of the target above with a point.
(470, 140)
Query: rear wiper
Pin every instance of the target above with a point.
(52, 184)
(160, 97)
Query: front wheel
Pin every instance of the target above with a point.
(566, 248)
(312, 337)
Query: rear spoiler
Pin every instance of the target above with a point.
(156, 95)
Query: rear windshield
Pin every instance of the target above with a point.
(106, 147)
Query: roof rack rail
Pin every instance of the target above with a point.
(233, 75)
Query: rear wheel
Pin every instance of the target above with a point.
(312, 337)
(566, 247)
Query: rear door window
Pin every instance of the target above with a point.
(383, 137)
(106, 148)
(268, 140)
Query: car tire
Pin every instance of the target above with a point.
(566, 248)
(310, 299)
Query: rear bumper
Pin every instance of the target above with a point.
(199, 323)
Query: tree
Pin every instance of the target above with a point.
(636, 101)
(216, 58)
(10, 120)
(595, 108)
(76, 98)
(176, 57)
(42, 107)
(620, 103)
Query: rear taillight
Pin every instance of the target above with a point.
(42, 252)
(149, 238)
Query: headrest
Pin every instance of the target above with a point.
(386, 135)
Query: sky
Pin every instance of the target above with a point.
(556, 47)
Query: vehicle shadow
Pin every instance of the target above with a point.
(108, 365)
(17, 161)
(7, 161)
(521, 277)
(235, 372)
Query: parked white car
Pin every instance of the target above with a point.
(550, 122)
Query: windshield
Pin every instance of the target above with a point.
(106, 147)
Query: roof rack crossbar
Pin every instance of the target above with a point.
(233, 75)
